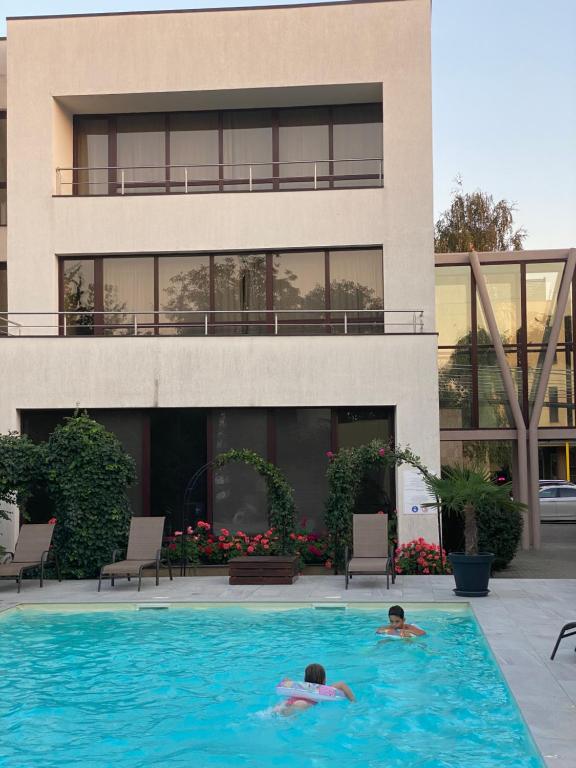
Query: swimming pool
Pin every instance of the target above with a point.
(194, 686)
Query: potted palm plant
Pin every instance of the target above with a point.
(464, 490)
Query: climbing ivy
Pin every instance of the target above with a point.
(88, 473)
(21, 470)
(345, 473)
(281, 512)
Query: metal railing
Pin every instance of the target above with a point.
(273, 175)
(288, 322)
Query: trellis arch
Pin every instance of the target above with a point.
(345, 473)
(281, 510)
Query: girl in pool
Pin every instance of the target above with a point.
(398, 626)
(315, 673)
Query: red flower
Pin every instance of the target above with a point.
(382, 451)
(329, 455)
(250, 549)
(224, 532)
(221, 538)
(189, 529)
(52, 521)
(177, 533)
(172, 546)
(380, 512)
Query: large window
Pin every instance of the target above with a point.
(3, 158)
(287, 292)
(523, 296)
(233, 150)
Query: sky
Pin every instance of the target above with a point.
(504, 100)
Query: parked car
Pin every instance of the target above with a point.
(543, 483)
(558, 502)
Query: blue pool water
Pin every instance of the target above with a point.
(190, 687)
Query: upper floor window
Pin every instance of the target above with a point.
(3, 154)
(281, 292)
(231, 150)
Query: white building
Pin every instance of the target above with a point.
(240, 203)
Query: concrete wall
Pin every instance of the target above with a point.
(231, 372)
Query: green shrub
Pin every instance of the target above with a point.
(21, 470)
(499, 531)
(88, 474)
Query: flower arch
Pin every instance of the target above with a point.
(345, 474)
(281, 510)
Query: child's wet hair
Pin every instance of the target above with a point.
(315, 673)
(396, 610)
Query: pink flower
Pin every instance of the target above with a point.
(380, 512)
(426, 570)
(292, 536)
(221, 538)
(239, 533)
(238, 546)
(224, 532)
(52, 521)
(177, 533)
(172, 546)
(204, 525)
(266, 546)
(189, 529)
(329, 455)
(381, 451)
(250, 549)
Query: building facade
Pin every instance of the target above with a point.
(219, 233)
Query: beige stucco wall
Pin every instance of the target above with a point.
(231, 372)
(153, 60)
(50, 60)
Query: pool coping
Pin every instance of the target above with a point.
(520, 621)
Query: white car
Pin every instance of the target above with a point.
(558, 502)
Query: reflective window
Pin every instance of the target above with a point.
(128, 287)
(548, 493)
(194, 143)
(239, 291)
(240, 499)
(357, 136)
(183, 286)
(455, 388)
(91, 178)
(302, 439)
(493, 407)
(304, 134)
(356, 283)
(356, 427)
(558, 408)
(453, 306)
(3, 297)
(299, 283)
(141, 141)
(503, 284)
(78, 287)
(566, 493)
(247, 141)
(3, 147)
(542, 287)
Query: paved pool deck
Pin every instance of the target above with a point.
(521, 619)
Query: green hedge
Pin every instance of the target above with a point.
(499, 531)
(88, 473)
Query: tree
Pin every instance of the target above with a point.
(88, 474)
(465, 490)
(475, 222)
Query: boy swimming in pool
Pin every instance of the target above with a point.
(398, 626)
(314, 673)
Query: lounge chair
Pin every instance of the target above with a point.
(144, 550)
(32, 551)
(371, 553)
(567, 631)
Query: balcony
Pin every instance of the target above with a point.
(213, 323)
(220, 177)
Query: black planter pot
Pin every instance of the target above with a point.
(471, 573)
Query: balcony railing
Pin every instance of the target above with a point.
(296, 322)
(220, 177)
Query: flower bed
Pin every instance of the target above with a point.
(420, 557)
(202, 546)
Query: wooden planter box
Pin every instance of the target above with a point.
(273, 569)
